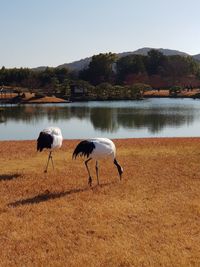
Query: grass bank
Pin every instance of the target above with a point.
(150, 218)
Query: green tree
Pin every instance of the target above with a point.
(101, 69)
(65, 88)
(155, 61)
(132, 64)
(54, 84)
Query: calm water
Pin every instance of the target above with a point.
(116, 119)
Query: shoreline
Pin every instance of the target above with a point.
(115, 139)
(194, 94)
(2, 103)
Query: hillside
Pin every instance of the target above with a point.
(150, 218)
(83, 63)
(197, 57)
(144, 51)
(77, 65)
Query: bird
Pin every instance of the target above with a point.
(50, 138)
(97, 148)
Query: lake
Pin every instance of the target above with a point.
(153, 117)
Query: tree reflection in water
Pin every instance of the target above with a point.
(153, 119)
(104, 119)
(107, 117)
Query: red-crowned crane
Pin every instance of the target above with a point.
(97, 148)
(49, 138)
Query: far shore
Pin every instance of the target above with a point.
(157, 93)
(194, 93)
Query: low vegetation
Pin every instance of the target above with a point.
(150, 218)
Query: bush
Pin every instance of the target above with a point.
(137, 90)
(175, 90)
(39, 95)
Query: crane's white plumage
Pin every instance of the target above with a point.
(50, 138)
(97, 148)
(55, 132)
(104, 148)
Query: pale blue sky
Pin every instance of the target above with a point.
(52, 32)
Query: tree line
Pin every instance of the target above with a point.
(172, 70)
(109, 75)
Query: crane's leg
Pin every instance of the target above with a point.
(90, 178)
(97, 172)
(52, 161)
(50, 157)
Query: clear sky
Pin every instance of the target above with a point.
(52, 32)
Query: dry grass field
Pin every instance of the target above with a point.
(150, 218)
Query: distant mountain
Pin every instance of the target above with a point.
(77, 65)
(196, 57)
(144, 51)
(41, 68)
(83, 63)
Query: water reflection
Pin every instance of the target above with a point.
(104, 119)
(111, 117)
(154, 120)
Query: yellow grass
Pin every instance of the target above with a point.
(165, 93)
(150, 218)
(157, 93)
(47, 99)
(7, 95)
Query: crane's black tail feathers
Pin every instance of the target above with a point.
(44, 141)
(84, 148)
